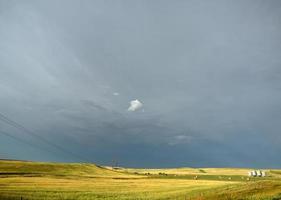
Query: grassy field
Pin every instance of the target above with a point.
(38, 180)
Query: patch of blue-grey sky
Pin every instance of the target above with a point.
(207, 73)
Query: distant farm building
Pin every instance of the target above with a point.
(257, 173)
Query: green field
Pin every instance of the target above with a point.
(39, 180)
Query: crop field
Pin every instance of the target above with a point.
(55, 181)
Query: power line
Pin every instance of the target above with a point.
(24, 141)
(22, 128)
(31, 133)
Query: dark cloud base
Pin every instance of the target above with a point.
(207, 72)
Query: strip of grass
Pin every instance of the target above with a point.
(258, 190)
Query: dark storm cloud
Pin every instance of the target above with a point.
(207, 72)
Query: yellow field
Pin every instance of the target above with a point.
(61, 181)
(103, 188)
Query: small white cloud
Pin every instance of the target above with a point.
(180, 139)
(116, 94)
(135, 105)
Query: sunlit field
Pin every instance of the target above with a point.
(32, 180)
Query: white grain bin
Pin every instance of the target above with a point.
(253, 173)
(250, 173)
(263, 174)
(259, 173)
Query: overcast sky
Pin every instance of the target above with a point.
(206, 76)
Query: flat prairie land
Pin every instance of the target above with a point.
(188, 171)
(62, 181)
